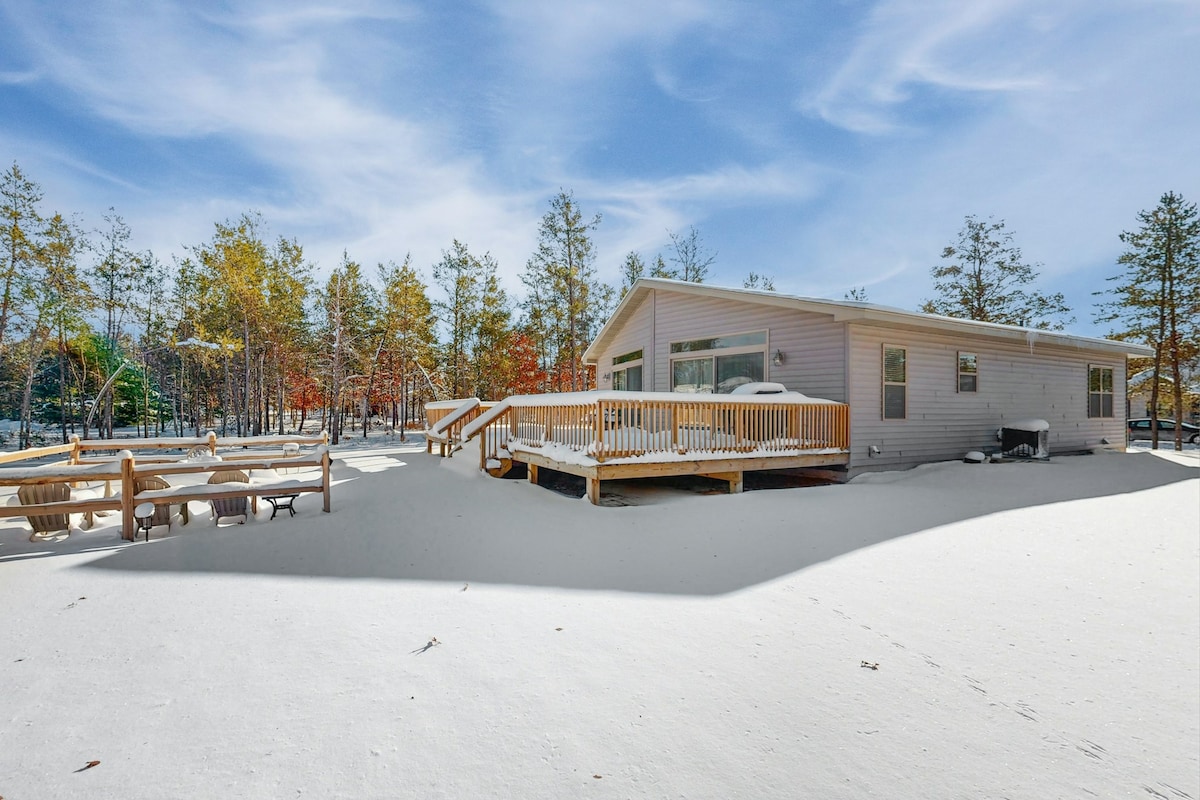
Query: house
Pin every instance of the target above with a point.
(919, 387)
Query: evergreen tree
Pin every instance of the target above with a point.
(411, 321)
(560, 278)
(1156, 299)
(985, 279)
(20, 226)
(348, 304)
(631, 270)
(460, 275)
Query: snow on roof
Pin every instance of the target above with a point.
(850, 310)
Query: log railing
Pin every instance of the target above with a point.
(121, 469)
(615, 425)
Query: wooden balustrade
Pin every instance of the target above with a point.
(449, 437)
(608, 428)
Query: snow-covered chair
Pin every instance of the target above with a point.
(230, 506)
(36, 494)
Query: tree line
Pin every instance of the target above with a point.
(236, 334)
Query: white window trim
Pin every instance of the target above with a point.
(884, 382)
(1112, 392)
(959, 373)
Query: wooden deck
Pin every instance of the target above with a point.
(622, 435)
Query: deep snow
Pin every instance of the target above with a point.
(1035, 627)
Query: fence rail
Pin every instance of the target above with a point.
(123, 469)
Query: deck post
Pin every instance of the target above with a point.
(212, 443)
(593, 490)
(127, 499)
(325, 479)
(533, 473)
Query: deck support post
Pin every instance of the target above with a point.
(533, 474)
(593, 490)
(734, 479)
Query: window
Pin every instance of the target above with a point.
(895, 382)
(968, 372)
(628, 378)
(720, 363)
(1100, 391)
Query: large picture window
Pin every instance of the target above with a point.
(1100, 391)
(895, 382)
(718, 364)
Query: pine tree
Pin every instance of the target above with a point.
(406, 304)
(19, 228)
(1157, 298)
(631, 270)
(460, 275)
(984, 281)
(563, 293)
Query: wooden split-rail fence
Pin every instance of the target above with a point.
(198, 456)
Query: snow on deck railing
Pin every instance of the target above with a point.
(611, 425)
(445, 420)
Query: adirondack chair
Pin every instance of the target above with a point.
(230, 506)
(37, 494)
(162, 514)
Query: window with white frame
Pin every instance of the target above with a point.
(719, 363)
(968, 372)
(1100, 391)
(627, 372)
(895, 382)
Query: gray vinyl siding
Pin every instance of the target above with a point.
(814, 345)
(1015, 383)
(636, 334)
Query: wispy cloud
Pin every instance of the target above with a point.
(980, 46)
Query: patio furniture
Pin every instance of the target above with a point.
(37, 494)
(229, 506)
(281, 501)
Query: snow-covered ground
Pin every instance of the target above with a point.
(1021, 630)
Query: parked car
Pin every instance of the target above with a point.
(1139, 429)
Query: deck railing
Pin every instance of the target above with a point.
(612, 425)
(449, 436)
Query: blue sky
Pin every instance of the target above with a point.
(827, 144)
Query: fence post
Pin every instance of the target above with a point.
(325, 478)
(212, 443)
(74, 457)
(127, 521)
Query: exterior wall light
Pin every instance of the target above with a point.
(778, 358)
